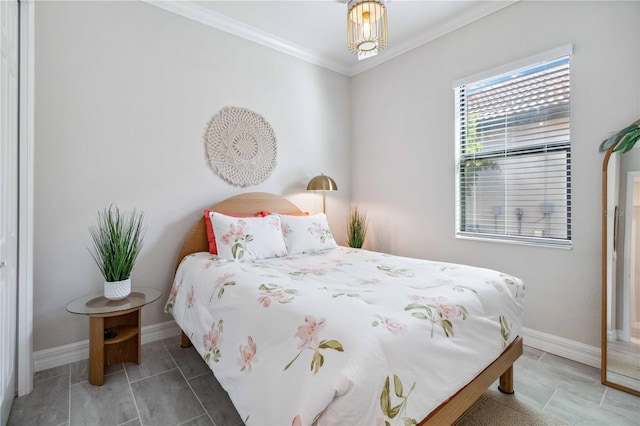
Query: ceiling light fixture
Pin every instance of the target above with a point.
(366, 27)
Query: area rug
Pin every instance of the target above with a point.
(494, 408)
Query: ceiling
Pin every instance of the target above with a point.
(315, 31)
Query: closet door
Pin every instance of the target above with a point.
(8, 201)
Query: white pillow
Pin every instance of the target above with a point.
(306, 234)
(248, 238)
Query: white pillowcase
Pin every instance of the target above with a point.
(248, 238)
(306, 234)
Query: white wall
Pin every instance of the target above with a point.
(402, 154)
(124, 91)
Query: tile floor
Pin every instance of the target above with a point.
(173, 386)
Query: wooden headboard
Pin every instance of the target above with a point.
(243, 204)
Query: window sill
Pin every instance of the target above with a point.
(521, 241)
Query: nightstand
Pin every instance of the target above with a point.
(114, 328)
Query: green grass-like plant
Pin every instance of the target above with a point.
(356, 228)
(117, 241)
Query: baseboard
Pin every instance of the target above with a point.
(73, 352)
(560, 346)
(623, 335)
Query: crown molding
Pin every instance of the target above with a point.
(208, 17)
(433, 33)
(197, 13)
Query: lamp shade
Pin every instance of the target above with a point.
(322, 183)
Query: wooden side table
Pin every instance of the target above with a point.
(114, 328)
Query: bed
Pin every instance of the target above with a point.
(345, 336)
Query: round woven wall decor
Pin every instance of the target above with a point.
(241, 146)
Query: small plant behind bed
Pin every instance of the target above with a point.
(356, 227)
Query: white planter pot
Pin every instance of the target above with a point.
(118, 289)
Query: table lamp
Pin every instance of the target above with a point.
(322, 183)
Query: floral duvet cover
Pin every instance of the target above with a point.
(343, 336)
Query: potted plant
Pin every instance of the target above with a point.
(626, 138)
(117, 241)
(356, 228)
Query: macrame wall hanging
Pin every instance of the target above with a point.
(241, 146)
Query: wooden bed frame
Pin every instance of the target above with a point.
(449, 411)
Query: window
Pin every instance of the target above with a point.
(513, 153)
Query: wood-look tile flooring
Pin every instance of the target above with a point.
(173, 386)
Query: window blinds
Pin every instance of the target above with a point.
(513, 156)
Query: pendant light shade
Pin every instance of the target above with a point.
(366, 27)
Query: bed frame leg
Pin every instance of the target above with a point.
(185, 341)
(506, 382)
